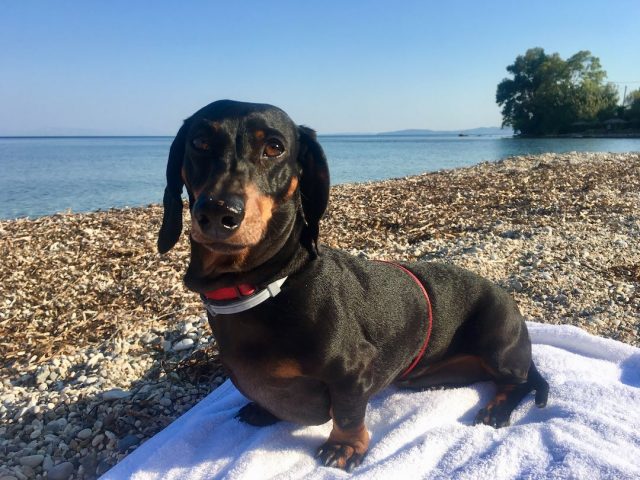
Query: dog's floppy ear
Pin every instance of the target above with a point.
(314, 181)
(172, 201)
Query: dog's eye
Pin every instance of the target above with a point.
(200, 143)
(272, 149)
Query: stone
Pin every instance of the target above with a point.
(184, 344)
(127, 442)
(41, 377)
(31, 460)
(93, 361)
(97, 440)
(148, 338)
(115, 394)
(62, 471)
(89, 463)
(103, 467)
(47, 463)
(84, 434)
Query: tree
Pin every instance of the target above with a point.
(633, 106)
(548, 94)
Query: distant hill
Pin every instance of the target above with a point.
(471, 131)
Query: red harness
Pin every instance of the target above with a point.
(246, 290)
(426, 297)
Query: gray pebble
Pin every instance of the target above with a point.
(103, 467)
(183, 344)
(31, 460)
(61, 471)
(97, 440)
(42, 376)
(47, 463)
(148, 338)
(95, 359)
(28, 471)
(127, 442)
(115, 394)
(84, 434)
(186, 328)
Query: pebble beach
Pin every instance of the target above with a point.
(102, 346)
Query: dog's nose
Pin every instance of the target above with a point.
(219, 216)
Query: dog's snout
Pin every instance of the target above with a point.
(219, 216)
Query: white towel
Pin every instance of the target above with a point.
(589, 429)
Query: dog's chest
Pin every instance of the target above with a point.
(280, 386)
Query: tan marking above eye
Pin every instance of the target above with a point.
(200, 143)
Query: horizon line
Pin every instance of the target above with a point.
(403, 132)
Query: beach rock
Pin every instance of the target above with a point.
(103, 467)
(84, 434)
(127, 442)
(148, 338)
(115, 394)
(31, 460)
(184, 344)
(93, 361)
(42, 376)
(97, 440)
(89, 463)
(47, 463)
(62, 471)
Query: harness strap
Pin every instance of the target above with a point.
(423, 349)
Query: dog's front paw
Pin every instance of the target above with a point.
(339, 455)
(255, 415)
(496, 416)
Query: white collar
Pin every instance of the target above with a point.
(235, 306)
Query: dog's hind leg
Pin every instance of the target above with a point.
(509, 395)
(456, 371)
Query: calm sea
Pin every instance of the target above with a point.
(41, 176)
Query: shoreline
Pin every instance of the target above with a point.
(103, 346)
(583, 135)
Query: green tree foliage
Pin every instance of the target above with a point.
(548, 94)
(632, 102)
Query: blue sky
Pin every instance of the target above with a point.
(132, 67)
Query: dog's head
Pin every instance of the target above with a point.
(249, 172)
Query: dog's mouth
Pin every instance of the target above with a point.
(216, 245)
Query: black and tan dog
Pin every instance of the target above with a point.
(309, 333)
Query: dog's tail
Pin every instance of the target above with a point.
(539, 384)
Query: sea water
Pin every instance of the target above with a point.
(42, 176)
